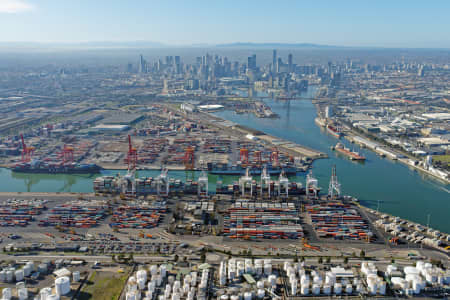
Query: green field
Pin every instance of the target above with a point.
(103, 286)
(442, 158)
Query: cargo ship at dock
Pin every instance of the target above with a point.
(238, 170)
(46, 168)
(353, 155)
(334, 131)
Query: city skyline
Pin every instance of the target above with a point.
(175, 23)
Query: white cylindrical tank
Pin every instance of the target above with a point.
(141, 283)
(2, 276)
(382, 288)
(294, 288)
(131, 296)
(9, 276)
(62, 285)
(223, 297)
(359, 288)
(260, 284)
(142, 274)
(76, 276)
(372, 287)
(272, 279)
(44, 293)
(348, 289)
(26, 270)
(20, 285)
(52, 297)
(337, 288)
(19, 275)
(267, 269)
(154, 269)
(176, 296)
(171, 279)
(304, 290)
(327, 289)
(315, 289)
(248, 296)
(22, 294)
(6, 293)
(260, 294)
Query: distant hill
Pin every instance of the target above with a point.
(275, 45)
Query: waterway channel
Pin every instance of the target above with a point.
(378, 183)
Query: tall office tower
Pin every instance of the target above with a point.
(177, 60)
(274, 61)
(279, 64)
(251, 62)
(142, 65)
(290, 66)
(130, 68)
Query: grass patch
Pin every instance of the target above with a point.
(103, 286)
(442, 158)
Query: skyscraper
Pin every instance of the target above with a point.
(290, 65)
(251, 62)
(142, 65)
(274, 61)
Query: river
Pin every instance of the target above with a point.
(379, 183)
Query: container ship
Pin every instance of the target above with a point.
(335, 131)
(237, 170)
(46, 168)
(353, 155)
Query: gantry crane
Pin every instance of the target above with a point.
(27, 152)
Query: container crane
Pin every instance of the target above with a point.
(189, 158)
(66, 154)
(334, 189)
(132, 155)
(274, 157)
(27, 152)
(243, 156)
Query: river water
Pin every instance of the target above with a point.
(378, 183)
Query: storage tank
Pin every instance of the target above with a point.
(260, 284)
(234, 297)
(62, 285)
(141, 283)
(223, 297)
(267, 269)
(76, 276)
(2, 276)
(18, 275)
(131, 296)
(315, 289)
(154, 269)
(359, 288)
(52, 297)
(294, 288)
(272, 279)
(337, 288)
(304, 290)
(6, 294)
(42, 268)
(260, 294)
(348, 288)
(372, 287)
(44, 293)
(142, 274)
(22, 294)
(26, 270)
(248, 296)
(327, 289)
(9, 276)
(382, 288)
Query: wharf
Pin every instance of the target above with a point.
(284, 145)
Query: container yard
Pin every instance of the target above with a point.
(339, 221)
(14, 212)
(262, 220)
(80, 214)
(138, 215)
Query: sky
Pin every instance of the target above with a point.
(380, 23)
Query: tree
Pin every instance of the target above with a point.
(203, 258)
(296, 259)
(362, 254)
(346, 260)
(175, 257)
(328, 260)
(320, 260)
(353, 254)
(392, 260)
(113, 257)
